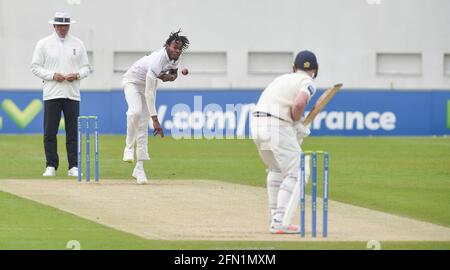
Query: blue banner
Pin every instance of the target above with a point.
(224, 113)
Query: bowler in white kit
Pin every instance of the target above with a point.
(278, 131)
(140, 83)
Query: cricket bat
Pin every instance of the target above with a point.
(321, 103)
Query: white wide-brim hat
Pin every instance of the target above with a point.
(61, 18)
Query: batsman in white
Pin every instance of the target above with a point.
(278, 132)
(140, 82)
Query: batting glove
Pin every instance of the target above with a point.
(302, 130)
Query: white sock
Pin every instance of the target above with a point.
(274, 180)
(140, 164)
(283, 200)
(284, 196)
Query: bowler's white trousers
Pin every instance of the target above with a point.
(138, 114)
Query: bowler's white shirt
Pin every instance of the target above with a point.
(145, 71)
(151, 66)
(279, 96)
(55, 55)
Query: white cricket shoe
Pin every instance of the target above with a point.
(49, 171)
(73, 171)
(140, 176)
(128, 154)
(278, 228)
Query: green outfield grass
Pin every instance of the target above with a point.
(407, 176)
(30, 225)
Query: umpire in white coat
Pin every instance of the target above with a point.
(61, 61)
(278, 131)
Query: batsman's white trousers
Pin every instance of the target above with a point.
(277, 145)
(279, 149)
(138, 116)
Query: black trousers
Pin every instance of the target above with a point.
(52, 116)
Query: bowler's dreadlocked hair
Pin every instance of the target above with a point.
(174, 36)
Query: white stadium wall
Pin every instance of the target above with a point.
(368, 44)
